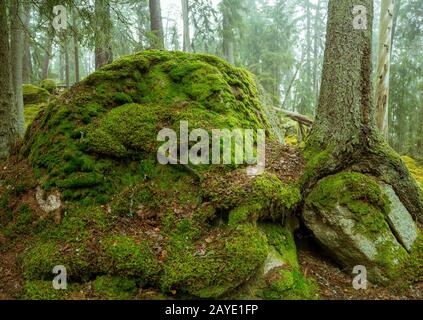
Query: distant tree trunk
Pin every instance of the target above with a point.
(228, 37)
(48, 52)
(344, 136)
(75, 47)
(156, 24)
(185, 15)
(7, 126)
(309, 49)
(383, 65)
(27, 62)
(67, 65)
(103, 34)
(16, 42)
(316, 52)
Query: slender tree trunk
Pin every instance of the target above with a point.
(103, 38)
(27, 62)
(185, 15)
(156, 24)
(344, 136)
(47, 54)
(383, 65)
(17, 41)
(316, 52)
(67, 65)
(75, 47)
(7, 125)
(228, 39)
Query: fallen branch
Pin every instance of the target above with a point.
(302, 119)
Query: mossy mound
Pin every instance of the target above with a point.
(49, 85)
(31, 111)
(34, 95)
(125, 216)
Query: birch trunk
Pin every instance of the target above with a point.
(383, 65)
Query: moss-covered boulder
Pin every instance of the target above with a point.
(182, 231)
(49, 85)
(34, 95)
(362, 222)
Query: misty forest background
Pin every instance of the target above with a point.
(280, 41)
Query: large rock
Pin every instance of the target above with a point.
(128, 219)
(361, 223)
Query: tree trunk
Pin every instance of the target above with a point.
(7, 126)
(157, 41)
(185, 15)
(383, 65)
(316, 52)
(344, 136)
(67, 66)
(17, 41)
(228, 38)
(27, 62)
(103, 37)
(47, 54)
(75, 47)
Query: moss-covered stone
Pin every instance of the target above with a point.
(49, 85)
(34, 95)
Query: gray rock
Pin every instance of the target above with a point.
(400, 219)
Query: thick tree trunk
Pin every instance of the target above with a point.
(17, 41)
(383, 65)
(103, 49)
(344, 136)
(156, 24)
(185, 16)
(7, 126)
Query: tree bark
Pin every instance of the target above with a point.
(157, 41)
(47, 54)
(344, 136)
(228, 36)
(75, 47)
(185, 16)
(103, 37)
(383, 65)
(7, 126)
(16, 42)
(27, 62)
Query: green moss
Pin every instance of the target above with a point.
(126, 256)
(226, 262)
(361, 194)
(43, 290)
(34, 95)
(114, 288)
(157, 89)
(39, 260)
(49, 85)
(415, 169)
(31, 112)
